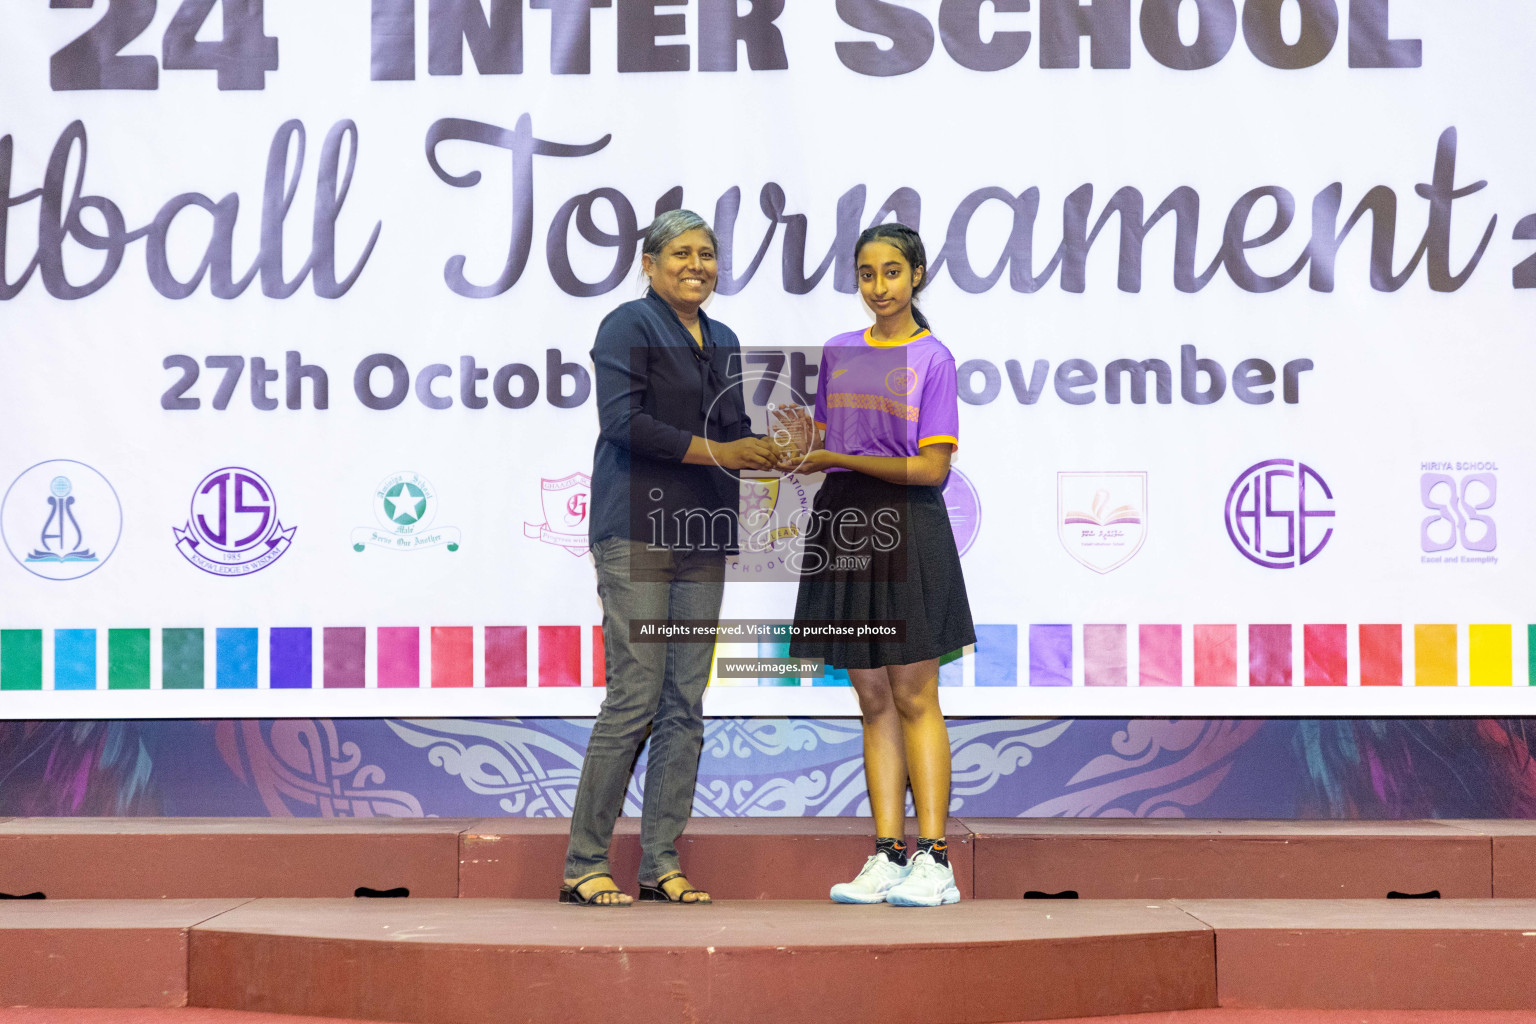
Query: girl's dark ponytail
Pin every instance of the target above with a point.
(910, 245)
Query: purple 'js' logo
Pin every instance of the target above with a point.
(1272, 511)
(233, 529)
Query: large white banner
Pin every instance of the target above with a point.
(296, 301)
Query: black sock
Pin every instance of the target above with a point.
(938, 849)
(895, 850)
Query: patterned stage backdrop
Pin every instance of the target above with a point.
(1198, 768)
(296, 412)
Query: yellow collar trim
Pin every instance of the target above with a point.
(870, 339)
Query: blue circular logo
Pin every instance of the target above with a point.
(61, 520)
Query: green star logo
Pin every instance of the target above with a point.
(405, 504)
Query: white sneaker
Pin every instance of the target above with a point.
(879, 876)
(928, 884)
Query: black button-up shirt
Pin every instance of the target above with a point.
(656, 390)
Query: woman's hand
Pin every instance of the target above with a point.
(747, 453)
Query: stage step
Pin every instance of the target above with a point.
(206, 858)
(117, 953)
(489, 960)
(436, 961)
(735, 858)
(1165, 858)
(1373, 954)
(764, 858)
(1514, 854)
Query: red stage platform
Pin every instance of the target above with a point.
(202, 858)
(1132, 858)
(1205, 914)
(98, 952)
(741, 858)
(1366, 954)
(1514, 854)
(733, 963)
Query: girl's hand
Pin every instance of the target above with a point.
(818, 460)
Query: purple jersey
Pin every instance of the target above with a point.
(886, 399)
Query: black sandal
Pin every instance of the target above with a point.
(657, 894)
(572, 893)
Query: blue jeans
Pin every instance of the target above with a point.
(651, 686)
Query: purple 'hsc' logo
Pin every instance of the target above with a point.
(1270, 513)
(233, 529)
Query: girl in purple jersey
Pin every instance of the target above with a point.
(880, 553)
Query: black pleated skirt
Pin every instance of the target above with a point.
(880, 552)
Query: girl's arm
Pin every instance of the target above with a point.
(928, 468)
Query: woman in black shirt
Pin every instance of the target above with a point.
(674, 431)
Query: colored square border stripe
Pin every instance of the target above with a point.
(74, 659)
(1460, 655)
(235, 658)
(182, 659)
(21, 659)
(1050, 655)
(291, 654)
(128, 659)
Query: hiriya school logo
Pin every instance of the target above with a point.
(61, 519)
(405, 505)
(233, 529)
(567, 503)
(1280, 514)
(1460, 495)
(964, 506)
(1101, 518)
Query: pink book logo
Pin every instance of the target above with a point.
(1101, 518)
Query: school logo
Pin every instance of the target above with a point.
(768, 526)
(1101, 518)
(61, 519)
(567, 503)
(233, 529)
(1280, 514)
(1460, 495)
(405, 504)
(964, 505)
(901, 381)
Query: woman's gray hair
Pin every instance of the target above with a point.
(668, 226)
